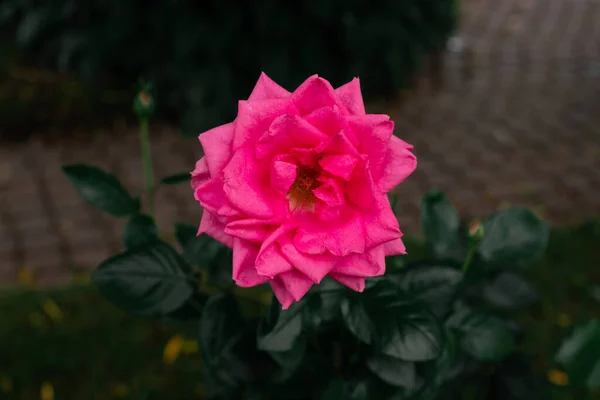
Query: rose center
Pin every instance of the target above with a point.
(301, 193)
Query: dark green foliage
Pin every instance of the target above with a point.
(204, 56)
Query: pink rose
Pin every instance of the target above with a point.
(297, 185)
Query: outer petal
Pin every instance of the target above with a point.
(370, 263)
(266, 88)
(211, 196)
(356, 283)
(252, 229)
(399, 164)
(338, 237)
(315, 267)
(200, 174)
(246, 184)
(351, 97)
(271, 261)
(360, 189)
(244, 258)
(394, 248)
(381, 223)
(283, 295)
(374, 132)
(296, 283)
(217, 147)
(255, 117)
(314, 93)
(214, 228)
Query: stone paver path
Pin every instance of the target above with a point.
(517, 120)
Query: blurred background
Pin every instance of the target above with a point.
(501, 99)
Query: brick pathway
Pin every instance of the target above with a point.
(517, 120)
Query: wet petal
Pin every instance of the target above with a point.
(315, 267)
(283, 173)
(400, 162)
(341, 165)
(266, 88)
(217, 147)
(244, 260)
(296, 283)
(367, 264)
(340, 238)
(271, 261)
(214, 228)
(351, 97)
(331, 191)
(314, 93)
(281, 293)
(355, 283)
(327, 119)
(255, 117)
(286, 132)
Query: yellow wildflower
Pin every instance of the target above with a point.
(173, 349)
(53, 310)
(558, 378)
(47, 391)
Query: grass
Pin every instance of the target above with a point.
(73, 343)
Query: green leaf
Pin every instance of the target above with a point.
(139, 231)
(399, 327)
(280, 330)
(176, 179)
(513, 237)
(579, 354)
(101, 190)
(147, 281)
(441, 225)
(482, 335)
(393, 371)
(511, 291)
(205, 252)
(220, 325)
(433, 284)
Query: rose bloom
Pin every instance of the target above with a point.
(297, 185)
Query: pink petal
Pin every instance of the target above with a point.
(200, 174)
(341, 237)
(217, 147)
(286, 132)
(382, 224)
(254, 230)
(283, 173)
(255, 117)
(341, 165)
(394, 247)
(360, 189)
(351, 97)
(247, 186)
(355, 283)
(315, 267)
(211, 196)
(296, 283)
(281, 293)
(399, 164)
(244, 260)
(314, 93)
(331, 191)
(368, 264)
(327, 119)
(307, 157)
(214, 228)
(337, 144)
(266, 88)
(271, 261)
(374, 132)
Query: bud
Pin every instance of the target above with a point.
(476, 231)
(143, 103)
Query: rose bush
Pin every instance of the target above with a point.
(294, 191)
(297, 186)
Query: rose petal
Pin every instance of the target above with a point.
(211, 196)
(296, 283)
(254, 230)
(315, 267)
(200, 174)
(341, 165)
(355, 283)
(246, 184)
(394, 247)
(381, 222)
(283, 173)
(331, 191)
(368, 264)
(214, 228)
(314, 93)
(217, 147)
(327, 119)
(337, 144)
(271, 261)
(244, 259)
(374, 132)
(351, 97)
(360, 189)
(307, 157)
(255, 117)
(281, 293)
(266, 88)
(399, 164)
(340, 237)
(286, 132)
